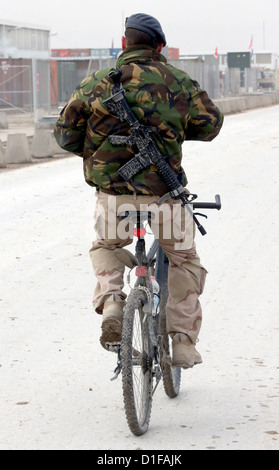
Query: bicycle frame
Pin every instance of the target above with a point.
(143, 282)
(144, 264)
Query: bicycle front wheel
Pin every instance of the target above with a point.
(137, 357)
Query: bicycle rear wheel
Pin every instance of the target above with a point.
(137, 357)
(171, 376)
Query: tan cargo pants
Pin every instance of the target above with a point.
(174, 228)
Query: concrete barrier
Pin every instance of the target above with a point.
(46, 122)
(42, 144)
(17, 150)
(2, 156)
(237, 104)
(4, 124)
(45, 145)
(57, 149)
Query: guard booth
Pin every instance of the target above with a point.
(242, 61)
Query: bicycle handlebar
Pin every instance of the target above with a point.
(208, 205)
(201, 205)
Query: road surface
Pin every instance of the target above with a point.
(55, 388)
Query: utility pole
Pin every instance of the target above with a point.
(123, 23)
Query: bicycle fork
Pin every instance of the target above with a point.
(156, 367)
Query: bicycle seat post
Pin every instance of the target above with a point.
(138, 218)
(140, 232)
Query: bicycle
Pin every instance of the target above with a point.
(144, 354)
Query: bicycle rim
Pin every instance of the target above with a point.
(136, 355)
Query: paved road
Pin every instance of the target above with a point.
(55, 388)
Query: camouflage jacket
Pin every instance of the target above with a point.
(159, 95)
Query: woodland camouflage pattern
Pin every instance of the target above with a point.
(159, 95)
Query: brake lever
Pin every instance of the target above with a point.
(202, 215)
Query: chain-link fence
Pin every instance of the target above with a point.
(24, 84)
(30, 84)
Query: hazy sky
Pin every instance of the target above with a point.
(199, 26)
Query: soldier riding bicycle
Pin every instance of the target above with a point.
(169, 100)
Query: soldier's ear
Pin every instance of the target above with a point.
(160, 47)
(123, 43)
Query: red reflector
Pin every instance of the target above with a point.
(139, 232)
(141, 271)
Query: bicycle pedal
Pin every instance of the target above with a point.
(112, 347)
(116, 372)
(166, 359)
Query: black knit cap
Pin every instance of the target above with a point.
(146, 23)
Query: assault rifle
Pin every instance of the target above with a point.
(147, 153)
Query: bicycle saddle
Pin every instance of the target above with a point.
(136, 216)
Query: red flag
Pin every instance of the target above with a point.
(216, 52)
(251, 44)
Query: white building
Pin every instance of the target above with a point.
(259, 59)
(24, 41)
(265, 59)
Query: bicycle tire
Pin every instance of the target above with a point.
(137, 356)
(171, 376)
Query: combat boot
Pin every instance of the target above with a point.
(112, 321)
(184, 352)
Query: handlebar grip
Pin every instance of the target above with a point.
(218, 202)
(209, 205)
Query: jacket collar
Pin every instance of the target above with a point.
(139, 53)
